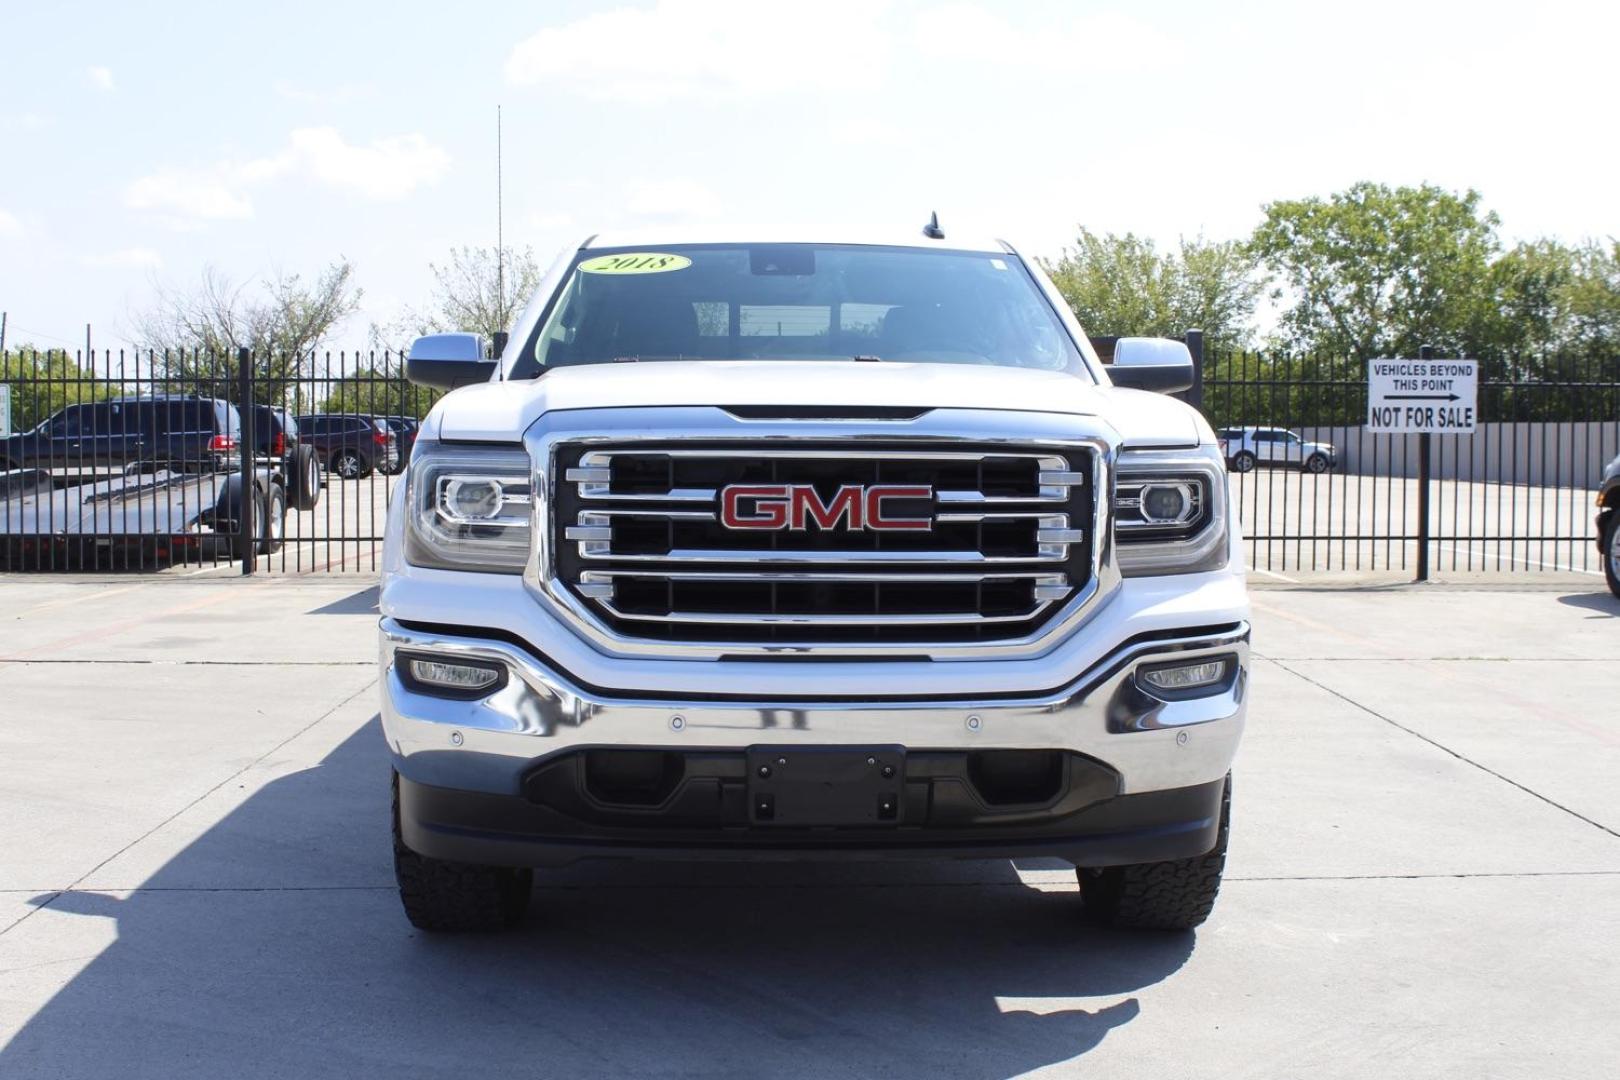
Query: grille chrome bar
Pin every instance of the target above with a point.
(1042, 580)
(763, 555)
(594, 473)
(637, 555)
(1047, 589)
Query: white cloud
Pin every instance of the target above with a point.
(9, 225)
(205, 195)
(385, 169)
(671, 200)
(708, 49)
(1080, 43)
(101, 78)
(125, 259)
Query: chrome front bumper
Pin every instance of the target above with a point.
(490, 743)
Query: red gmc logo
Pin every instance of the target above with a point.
(794, 506)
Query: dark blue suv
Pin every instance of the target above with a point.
(184, 433)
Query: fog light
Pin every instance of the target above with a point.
(472, 500)
(456, 679)
(1179, 678)
(1166, 504)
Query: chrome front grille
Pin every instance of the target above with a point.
(639, 537)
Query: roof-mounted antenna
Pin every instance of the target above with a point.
(932, 229)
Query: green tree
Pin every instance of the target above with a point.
(1591, 300)
(379, 391)
(1522, 309)
(44, 381)
(1378, 271)
(1123, 285)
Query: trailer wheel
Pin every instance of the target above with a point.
(304, 479)
(246, 547)
(275, 521)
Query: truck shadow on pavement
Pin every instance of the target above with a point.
(274, 945)
(1606, 603)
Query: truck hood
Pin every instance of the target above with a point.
(501, 411)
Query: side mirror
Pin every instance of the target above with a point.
(446, 361)
(1145, 363)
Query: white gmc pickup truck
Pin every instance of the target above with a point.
(787, 545)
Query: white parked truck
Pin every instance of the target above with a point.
(788, 545)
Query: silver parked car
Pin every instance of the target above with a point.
(1246, 447)
(1608, 524)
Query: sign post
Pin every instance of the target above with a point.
(1423, 397)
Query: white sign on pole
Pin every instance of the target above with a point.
(1422, 397)
(5, 408)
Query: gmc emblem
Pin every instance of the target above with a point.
(774, 507)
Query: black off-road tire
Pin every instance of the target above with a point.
(1177, 894)
(1243, 461)
(442, 896)
(1611, 552)
(304, 479)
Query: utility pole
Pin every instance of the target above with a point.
(3, 315)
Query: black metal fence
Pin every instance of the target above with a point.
(111, 460)
(149, 460)
(1516, 495)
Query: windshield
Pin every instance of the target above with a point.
(799, 302)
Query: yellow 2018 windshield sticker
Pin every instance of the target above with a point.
(635, 262)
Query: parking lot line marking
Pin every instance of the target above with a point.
(1464, 758)
(1274, 574)
(1484, 557)
(1313, 624)
(86, 595)
(127, 624)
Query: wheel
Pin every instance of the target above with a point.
(304, 479)
(1174, 895)
(244, 547)
(1242, 461)
(1316, 463)
(439, 895)
(275, 521)
(1611, 552)
(350, 465)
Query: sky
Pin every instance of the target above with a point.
(144, 142)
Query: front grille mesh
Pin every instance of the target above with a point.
(639, 539)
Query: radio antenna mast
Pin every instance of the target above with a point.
(500, 235)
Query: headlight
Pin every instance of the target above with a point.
(469, 508)
(1170, 511)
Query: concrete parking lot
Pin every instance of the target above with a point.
(195, 879)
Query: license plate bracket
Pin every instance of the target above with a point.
(819, 786)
